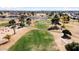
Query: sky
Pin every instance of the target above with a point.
(39, 3)
(30, 4)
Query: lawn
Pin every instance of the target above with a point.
(35, 40)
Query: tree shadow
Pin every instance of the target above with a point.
(54, 28)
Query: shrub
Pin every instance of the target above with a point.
(7, 37)
(22, 24)
(72, 46)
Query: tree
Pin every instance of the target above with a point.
(13, 27)
(66, 34)
(66, 18)
(21, 19)
(32, 13)
(1, 13)
(52, 13)
(28, 21)
(72, 46)
(55, 20)
(13, 24)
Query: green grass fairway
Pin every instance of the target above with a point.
(42, 24)
(35, 40)
(3, 23)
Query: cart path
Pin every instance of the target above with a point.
(58, 41)
(14, 39)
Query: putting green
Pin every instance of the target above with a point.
(42, 24)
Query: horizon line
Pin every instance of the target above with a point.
(39, 8)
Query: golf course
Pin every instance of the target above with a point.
(39, 32)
